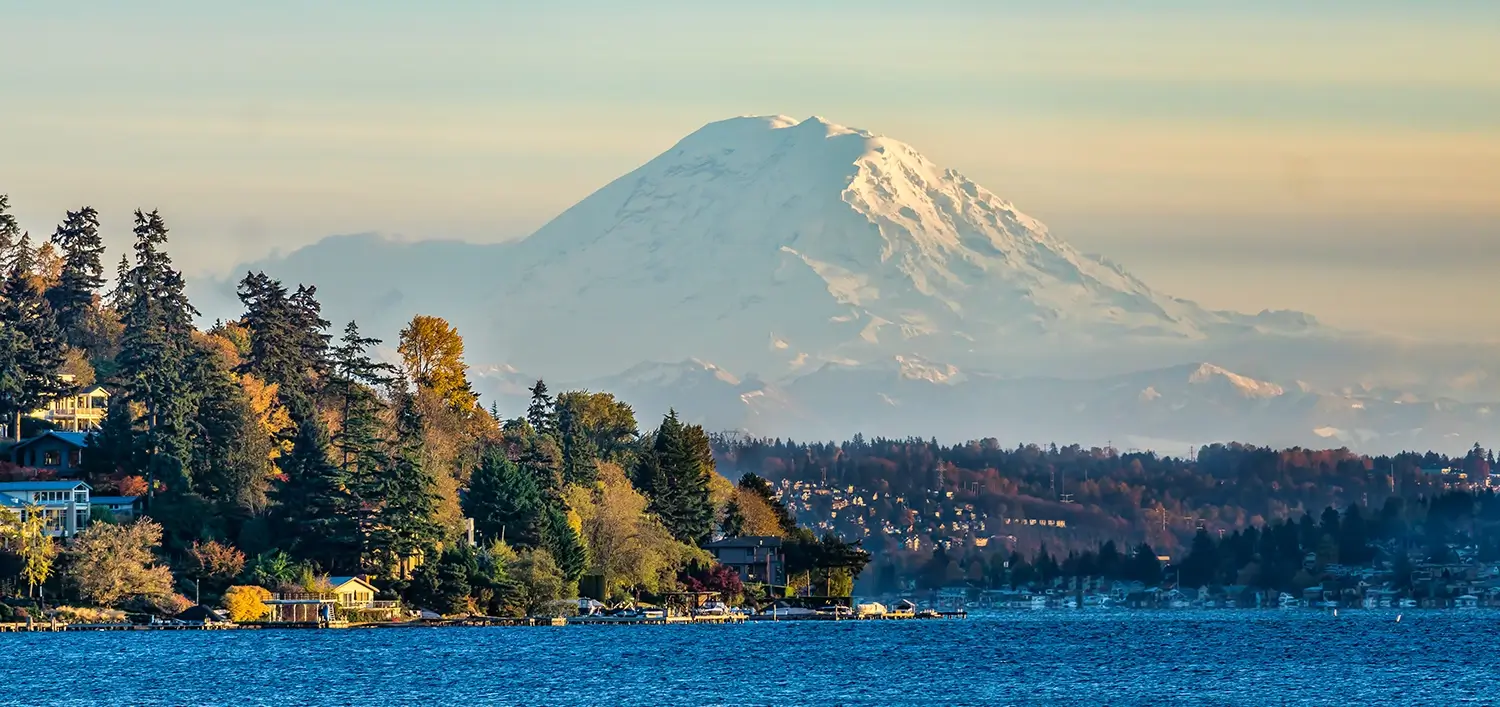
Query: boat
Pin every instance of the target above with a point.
(712, 608)
(871, 608)
(835, 610)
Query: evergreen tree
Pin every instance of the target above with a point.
(443, 584)
(288, 339)
(82, 276)
(31, 347)
(540, 413)
(674, 475)
(504, 501)
(733, 524)
(10, 230)
(542, 460)
(231, 452)
(580, 457)
(352, 375)
(154, 354)
(405, 495)
(111, 450)
(563, 543)
(317, 512)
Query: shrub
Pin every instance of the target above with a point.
(89, 615)
(246, 603)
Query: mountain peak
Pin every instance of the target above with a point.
(844, 244)
(1248, 387)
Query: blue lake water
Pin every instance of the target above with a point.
(1078, 658)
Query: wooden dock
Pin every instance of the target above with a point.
(49, 626)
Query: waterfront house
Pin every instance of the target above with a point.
(345, 596)
(123, 508)
(755, 558)
(353, 592)
(59, 452)
(64, 504)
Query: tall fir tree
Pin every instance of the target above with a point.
(10, 230)
(580, 458)
(540, 412)
(31, 347)
(674, 475)
(563, 543)
(405, 496)
(73, 298)
(231, 452)
(153, 358)
(317, 512)
(504, 501)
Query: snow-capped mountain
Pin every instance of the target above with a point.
(774, 245)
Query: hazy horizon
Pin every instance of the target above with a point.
(1339, 160)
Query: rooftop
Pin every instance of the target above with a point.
(746, 541)
(8, 486)
(76, 439)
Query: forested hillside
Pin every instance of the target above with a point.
(278, 447)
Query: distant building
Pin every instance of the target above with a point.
(755, 558)
(123, 508)
(64, 504)
(61, 452)
(80, 412)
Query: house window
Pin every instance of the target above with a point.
(75, 457)
(51, 457)
(80, 496)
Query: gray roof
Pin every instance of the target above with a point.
(112, 500)
(746, 541)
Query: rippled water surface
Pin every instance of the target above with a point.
(1249, 658)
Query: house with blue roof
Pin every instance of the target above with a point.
(64, 504)
(61, 452)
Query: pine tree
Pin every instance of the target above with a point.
(675, 479)
(405, 495)
(310, 331)
(352, 373)
(733, 523)
(317, 512)
(31, 347)
(10, 230)
(111, 449)
(580, 458)
(541, 459)
(563, 543)
(504, 501)
(540, 413)
(82, 273)
(154, 352)
(231, 452)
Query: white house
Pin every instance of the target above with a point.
(64, 504)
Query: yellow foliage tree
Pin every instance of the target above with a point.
(433, 354)
(626, 545)
(246, 603)
(269, 412)
(759, 517)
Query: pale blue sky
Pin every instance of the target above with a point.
(1213, 147)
